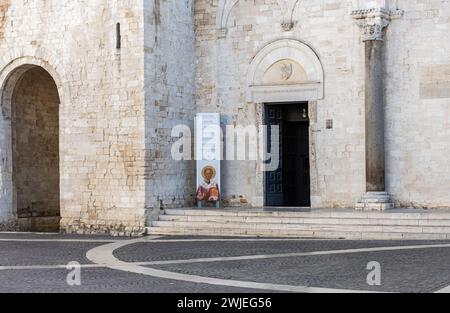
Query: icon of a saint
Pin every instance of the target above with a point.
(209, 189)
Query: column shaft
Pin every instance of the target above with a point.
(375, 111)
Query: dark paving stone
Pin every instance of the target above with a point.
(44, 253)
(100, 280)
(402, 271)
(147, 252)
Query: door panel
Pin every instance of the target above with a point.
(296, 165)
(290, 184)
(274, 180)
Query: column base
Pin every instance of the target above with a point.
(375, 201)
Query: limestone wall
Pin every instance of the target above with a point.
(230, 34)
(102, 153)
(418, 105)
(177, 58)
(170, 67)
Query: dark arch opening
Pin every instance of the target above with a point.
(35, 106)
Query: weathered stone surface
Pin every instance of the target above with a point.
(435, 81)
(177, 58)
(117, 108)
(101, 113)
(231, 33)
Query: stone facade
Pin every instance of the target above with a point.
(169, 101)
(230, 34)
(127, 72)
(226, 46)
(101, 111)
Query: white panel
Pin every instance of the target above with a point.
(208, 147)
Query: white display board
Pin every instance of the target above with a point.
(208, 155)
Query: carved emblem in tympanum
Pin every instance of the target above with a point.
(286, 71)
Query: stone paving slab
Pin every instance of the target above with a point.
(100, 280)
(403, 271)
(162, 251)
(44, 253)
(422, 270)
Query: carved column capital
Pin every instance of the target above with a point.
(374, 22)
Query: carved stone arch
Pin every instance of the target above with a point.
(300, 73)
(224, 11)
(14, 71)
(226, 6)
(295, 8)
(20, 61)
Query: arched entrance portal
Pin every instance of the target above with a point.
(286, 81)
(34, 113)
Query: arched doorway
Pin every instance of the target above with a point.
(32, 99)
(286, 80)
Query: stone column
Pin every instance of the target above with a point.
(374, 23)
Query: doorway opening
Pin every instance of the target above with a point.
(35, 106)
(290, 184)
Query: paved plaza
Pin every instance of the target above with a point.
(38, 263)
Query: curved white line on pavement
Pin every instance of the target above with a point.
(444, 290)
(103, 255)
(289, 255)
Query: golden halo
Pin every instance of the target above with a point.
(209, 168)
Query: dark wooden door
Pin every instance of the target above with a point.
(296, 169)
(289, 185)
(274, 179)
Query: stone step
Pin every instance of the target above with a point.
(305, 220)
(394, 214)
(325, 224)
(232, 232)
(305, 227)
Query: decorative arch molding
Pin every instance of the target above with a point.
(226, 6)
(224, 11)
(11, 71)
(293, 55)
